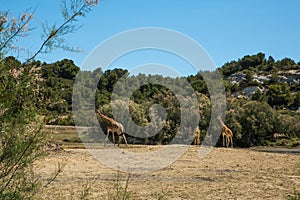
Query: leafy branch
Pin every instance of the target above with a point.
(52, 35)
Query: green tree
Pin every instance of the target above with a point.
(252, 61)
(253, 122)
(279, 95)
(286, 64)
(297, 99)
(21, 140)
(259, 96)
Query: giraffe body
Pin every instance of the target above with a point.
(113, 127)
(197, 136)
(226, 134)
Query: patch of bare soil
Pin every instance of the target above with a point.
(223, 174)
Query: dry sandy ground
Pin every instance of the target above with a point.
(223, 174)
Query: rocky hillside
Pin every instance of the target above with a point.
(257, 78)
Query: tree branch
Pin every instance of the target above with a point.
(54, 33)
(15, 34)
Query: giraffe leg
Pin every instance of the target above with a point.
(223, 140)
(227, 141)
(119, 139)
(197, 140)
(231, 142)
(106, 138)
(125, 139)
(113, 135)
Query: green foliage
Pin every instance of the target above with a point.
(22, 96)
(259, 96)
(294, 196)
(57, 91)
(20, 128)
(13, 29)
(288, 123)
(297, 99)
(118, 191)
(257, 122)
(277, 80)
(252, 61)
(258, 62)
(198, 83)
(252, 122)
(286, 64)
(279, 95)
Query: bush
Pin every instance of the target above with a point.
(252, 122)
(21, 140)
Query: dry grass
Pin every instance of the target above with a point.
(223, 174)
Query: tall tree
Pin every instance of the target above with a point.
(21, 141)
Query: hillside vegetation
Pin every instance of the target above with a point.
(263, 98)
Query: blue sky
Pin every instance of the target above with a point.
(226, 29)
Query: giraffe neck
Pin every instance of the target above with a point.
(105, 118)
(221, 122)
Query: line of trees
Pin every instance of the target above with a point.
(253, 121)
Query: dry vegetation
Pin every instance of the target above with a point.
(223, 174)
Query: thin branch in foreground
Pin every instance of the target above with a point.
(66, 27)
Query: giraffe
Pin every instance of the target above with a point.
(197, 136)
(113, 126)
(226, 134)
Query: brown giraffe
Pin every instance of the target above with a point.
(113, 126)
(197, 136)
(226, 134)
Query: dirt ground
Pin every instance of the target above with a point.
(222, 174)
